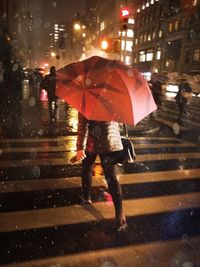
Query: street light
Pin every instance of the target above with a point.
(104, 45)
(53, 54)
(77, 27)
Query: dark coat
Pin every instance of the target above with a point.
(98, 136)
(49, 84)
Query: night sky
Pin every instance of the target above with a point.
(62, 10)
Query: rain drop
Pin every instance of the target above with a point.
(40, 132)
(20, 122)
(33, 153)
(176, 128)
(36, 171)
(97, 131)
(31, 101)
(188, 264)
(47, 25)
(65, 35)
(54, 4)
(8, 122)
(130, 73)
(37, 23)
(88, 82)
(15, 66)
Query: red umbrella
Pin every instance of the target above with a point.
(105, 90)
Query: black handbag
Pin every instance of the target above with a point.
(127, 155)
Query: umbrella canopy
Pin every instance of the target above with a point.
(105, 90)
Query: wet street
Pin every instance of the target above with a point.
(41, 220)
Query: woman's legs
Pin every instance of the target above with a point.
(110, 171)
(87, 165)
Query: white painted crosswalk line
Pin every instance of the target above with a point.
(75, 182)
(72, 147)
(154, 254)
(21, 220)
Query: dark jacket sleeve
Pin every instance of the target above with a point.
(83, 124)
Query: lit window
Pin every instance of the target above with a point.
(142, 56)
(197, 55)
(152, 2)
(154, 35)
(149, 37)
(136, 41)
(83, 34)
(129, 33)
(170, 27)
(160, 33)
(123, 45)
(129, 45)
(123, 33)
(131, 21)
(102, 26)
(158, 55)
(176, 25)
(149, 55)
(128, 60)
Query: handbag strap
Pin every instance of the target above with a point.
(125, 130)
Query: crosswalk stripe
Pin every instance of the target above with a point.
(75, 182)
(21, 220)
(72, 146)
(65, 161)
(73, 137)
(169, 123)
(140, 255)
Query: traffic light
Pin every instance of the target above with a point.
(110, 45)
(124, 14)
(105, 45)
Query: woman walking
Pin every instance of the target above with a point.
(103, 139)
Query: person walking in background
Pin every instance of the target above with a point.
(183, 97)
(157, 92)
(103, 138)
(49, 84)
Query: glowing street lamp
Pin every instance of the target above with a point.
(77, 27)
(53, 54)
(104, 45)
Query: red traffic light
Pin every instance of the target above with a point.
(124, 12)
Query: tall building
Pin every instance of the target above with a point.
(167, 36)
(109, 27)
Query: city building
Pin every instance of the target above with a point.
(167, 37)
(115, 25)
(56, 52)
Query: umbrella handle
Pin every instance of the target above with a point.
(125, 130)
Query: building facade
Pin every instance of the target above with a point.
(167, 36)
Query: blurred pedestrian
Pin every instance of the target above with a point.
(157, 92)
(103, 139)
(49, 84)
(183, 97)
